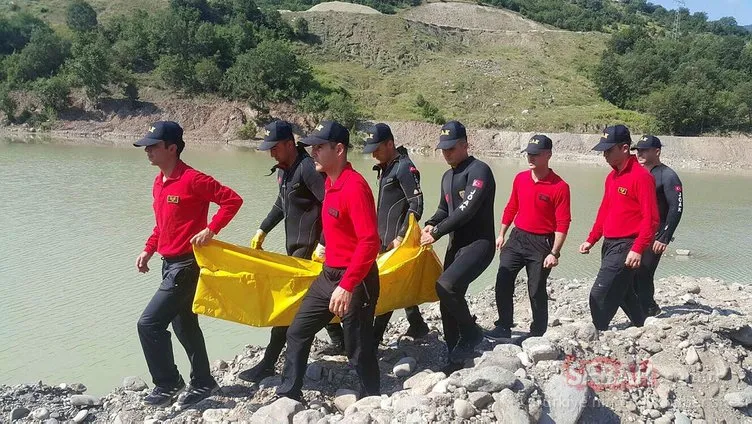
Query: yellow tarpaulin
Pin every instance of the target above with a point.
(265, 289)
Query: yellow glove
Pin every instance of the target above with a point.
(319, 255)
(258, 240)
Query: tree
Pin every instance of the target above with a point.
(81, 17)
(41, 57)
(91, 65)
(174, 72)
(208, 76)
(53, 93)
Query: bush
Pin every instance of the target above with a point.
(172, 70)
(53, 93)
(7, 104)
(428, 111)
(208, 76)
(341, 108)
(81, 17)
(40, 58)
(247, 131)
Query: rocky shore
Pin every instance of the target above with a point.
(691, 364)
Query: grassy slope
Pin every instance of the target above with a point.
(385, 62)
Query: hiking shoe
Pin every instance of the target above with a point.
(195, 394)
(163, 396)
(465, 348)
(654, 310)
(417, 331)
(257, 373)
(498, 333)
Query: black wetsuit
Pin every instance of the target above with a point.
(301, 192)
(466, 213)
(670, 195)
(399, 196)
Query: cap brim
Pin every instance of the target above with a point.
(267, 145)
(533, 150)
(313, 141)
(603, 146)
(370, 148)
(447, 144)
(146, 141)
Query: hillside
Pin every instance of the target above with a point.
(489, 67)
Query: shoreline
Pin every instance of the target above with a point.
(695, 357)
(483, 143)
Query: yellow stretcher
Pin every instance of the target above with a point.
(264, 289)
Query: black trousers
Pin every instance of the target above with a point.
(524, 250)
(278, 336)
(645, 279)
(413, 314)
(462, 265)
(172, 304)
(614, 286)
(314, 314)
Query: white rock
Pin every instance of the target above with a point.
(540, 349)
(441, 386)
(81, 416)
(683, 252)
(680, 418)
(464, 409)
(367, 404)
(739, 399)
(280, 411)
(490, 379)
(508, 410)
(134, 384)
(692, 357)
(405, 366)
(480, 400)
(524, 359)
(215, 415)
(308, 416)
(40, 414)
(344, 398)
(566, 401)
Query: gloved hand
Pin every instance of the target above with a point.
(319, 255)
(258, 240)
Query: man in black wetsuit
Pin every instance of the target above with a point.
(670, 194)
(399, 196)
(301, 192)
(466, 213)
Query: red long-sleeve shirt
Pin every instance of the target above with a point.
(629, 207)
(538, 207)
(350, 226)
(181, 206)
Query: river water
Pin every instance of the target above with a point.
(74, 218)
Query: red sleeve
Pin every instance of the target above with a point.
(597, 231)
(649, 211)
(562, 212)
(362, 212)
(510, 210)
(152, 241)
(229, 202)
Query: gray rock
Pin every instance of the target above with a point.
(693, 288)
(441, 386)
(508, 410)
(344, 398)
(464, 409)
(357, 418)
(280, 411)
(18, 413)
(40, 414)
(408, 403)
(422, 383)
(215, 415)
(491, 379)
(404, 366)
(669, 367)
(220, 364)
(499, 359)
(680, 418)
(85, 400)
(134, 384)
(367, 404)
(480, 400)
(81, 416)
(524, 359)
(739, 399)
(380, 416)
(540, 349)
(308, 416)
(722, 371)
(692, 357)
(314, 371)
(586, 331)
(565, 401)
(78, 387)
(507, 349)
(50, 421)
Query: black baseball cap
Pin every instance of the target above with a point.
(274, 133)
(168, 131)
(537, 144)
(377, 134)
(648, 142)
(328, 132)
(451, 133)
(617, 134)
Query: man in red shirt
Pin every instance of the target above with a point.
(348, 286)
(628, 219)
(539, 208)
(181, 205)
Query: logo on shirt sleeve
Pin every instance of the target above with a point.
(478, 183)
(414, 170)
(623, 191)
(678, 188)
(334, 212)
(173, 199)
